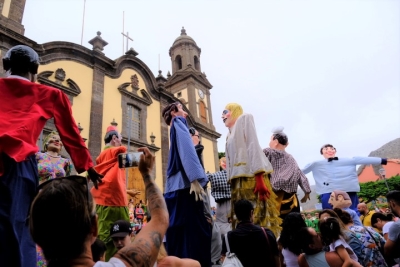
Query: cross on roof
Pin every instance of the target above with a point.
(127, 39)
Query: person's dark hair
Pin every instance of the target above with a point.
(381, 216)
(305, 239)
(330, 230)
(98, 249)
(243, 209)
(344, 216)
(327, 145)
(20, 60)
(62, 207)
(281, 137)
(192, 131)
(393, 195)
(109, 136)
(291, 225)
(166, 113)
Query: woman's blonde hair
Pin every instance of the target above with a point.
(235, 109)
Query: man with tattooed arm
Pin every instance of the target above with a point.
(65, 203)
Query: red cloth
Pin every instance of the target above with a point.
(24, 109)
(112, 190)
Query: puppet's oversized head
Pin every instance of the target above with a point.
(231, 114)
(328, 151)
(340, 199)
(173, 110)
(21, 60)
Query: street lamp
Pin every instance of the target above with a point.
(382, 172)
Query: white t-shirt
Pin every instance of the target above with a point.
(385, 228)
(342, 242)
(113, 262)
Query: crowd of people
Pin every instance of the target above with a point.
(51, 218)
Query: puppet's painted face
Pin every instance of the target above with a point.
(328, 152)
(54, 143)
(227, 118)
(180, 112)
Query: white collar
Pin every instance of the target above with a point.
(17, 77)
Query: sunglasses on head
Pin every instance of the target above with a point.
(76, 178)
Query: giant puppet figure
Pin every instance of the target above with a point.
(111, 200)
(333, 173)
(25, 107)
(189, 232)
(287, 175)
(247, 168)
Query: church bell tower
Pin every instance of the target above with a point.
(187, 82)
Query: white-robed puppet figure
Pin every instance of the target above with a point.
(247, 169)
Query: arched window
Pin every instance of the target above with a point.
(178, 62)
(203, 111)
(196, 63)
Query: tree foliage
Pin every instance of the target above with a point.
(221, 154)
(372, 190)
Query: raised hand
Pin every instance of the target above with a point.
(146, 162)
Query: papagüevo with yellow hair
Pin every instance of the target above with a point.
(248, 168)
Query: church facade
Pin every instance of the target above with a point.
(122, 92)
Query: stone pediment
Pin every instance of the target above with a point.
(72, 89)
(144, 99)
(189, 72)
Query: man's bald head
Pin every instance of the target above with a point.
(362, 208)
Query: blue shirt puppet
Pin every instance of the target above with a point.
(335, 173)
(189, 232)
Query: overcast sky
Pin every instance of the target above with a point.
(328, 71)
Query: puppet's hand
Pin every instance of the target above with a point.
(261, 188)
(133, 192)
(95, 177)
(198, 191)
(305, 198)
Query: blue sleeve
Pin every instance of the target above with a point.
(367, 160)
(187, 154)
(308, 168)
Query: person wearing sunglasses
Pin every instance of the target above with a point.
(247, 168)
(185, 175)
(65, 205)
(25, 106)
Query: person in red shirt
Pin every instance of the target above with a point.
(25, 107)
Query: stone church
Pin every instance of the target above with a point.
(122, 91)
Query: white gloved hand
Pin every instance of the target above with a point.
(197, 189)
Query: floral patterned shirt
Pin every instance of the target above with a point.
(371, 256)
(50, 170)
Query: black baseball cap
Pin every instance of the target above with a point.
(120, 228)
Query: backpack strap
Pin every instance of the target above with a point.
(269, 245)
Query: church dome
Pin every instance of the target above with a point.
(183, 37)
